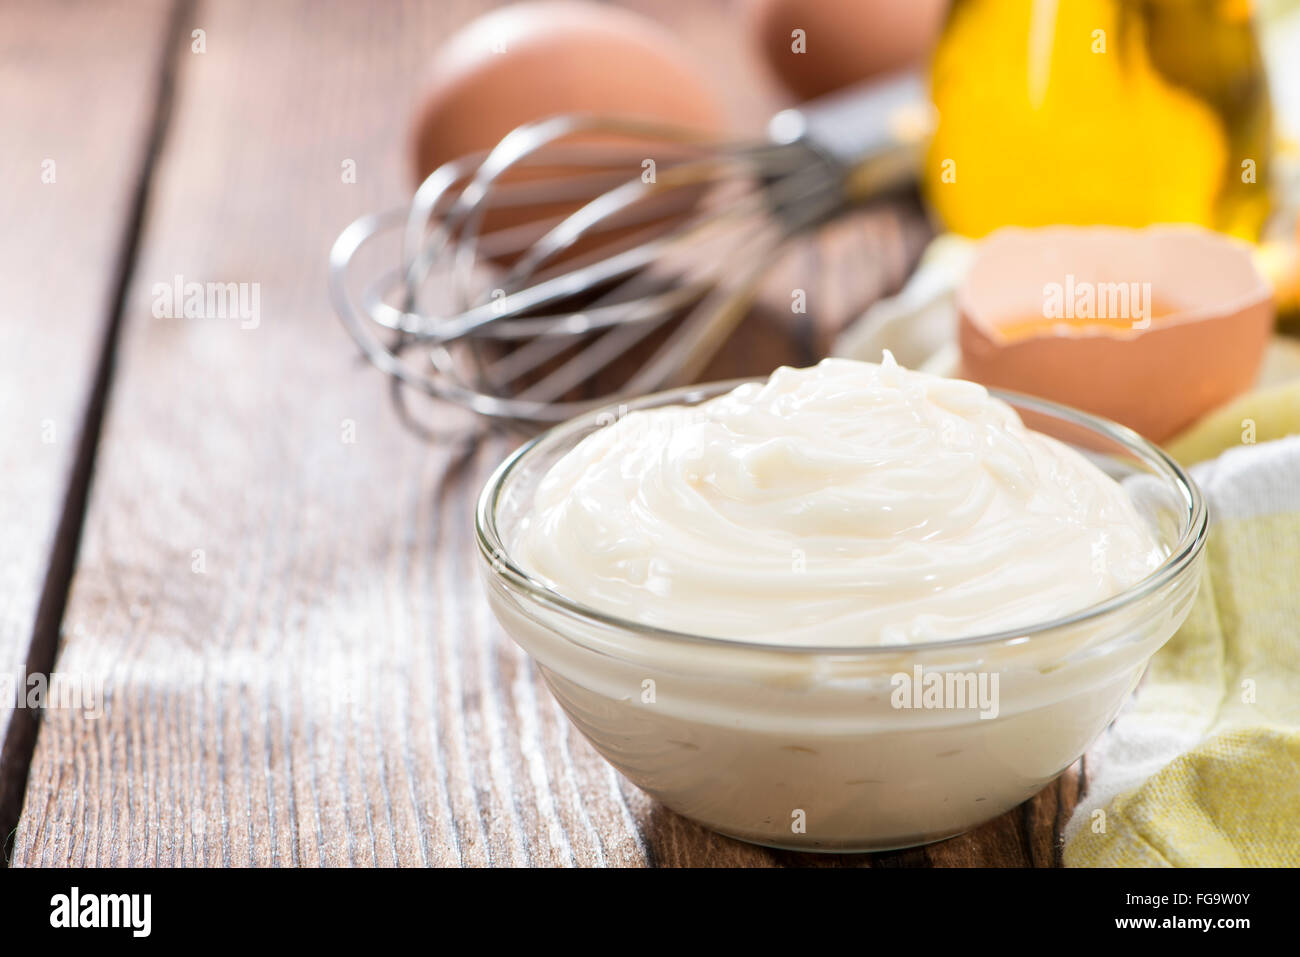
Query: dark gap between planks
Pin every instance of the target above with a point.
(20, 743)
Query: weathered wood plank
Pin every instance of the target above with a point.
(276, 583)
(76, 116)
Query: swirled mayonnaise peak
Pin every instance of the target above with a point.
(848, 503)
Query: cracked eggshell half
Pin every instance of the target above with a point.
(1150, 327)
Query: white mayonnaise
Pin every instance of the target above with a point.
(844, 504)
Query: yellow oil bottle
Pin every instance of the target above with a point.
(1126, 112)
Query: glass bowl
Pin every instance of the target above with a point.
(845, 749)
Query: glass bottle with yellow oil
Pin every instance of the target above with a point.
(1126, 112)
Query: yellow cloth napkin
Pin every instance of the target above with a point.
(1203, 768)
(1258, 416)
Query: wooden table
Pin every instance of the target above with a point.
(296, 664)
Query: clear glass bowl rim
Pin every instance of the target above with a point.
(493, 550)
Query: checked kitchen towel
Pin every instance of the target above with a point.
(1203, 769)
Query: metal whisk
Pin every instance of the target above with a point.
(525, 272)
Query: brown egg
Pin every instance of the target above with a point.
(1150, 327)
(532, 60)
(817, 46)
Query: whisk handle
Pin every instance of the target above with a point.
(875, 131)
